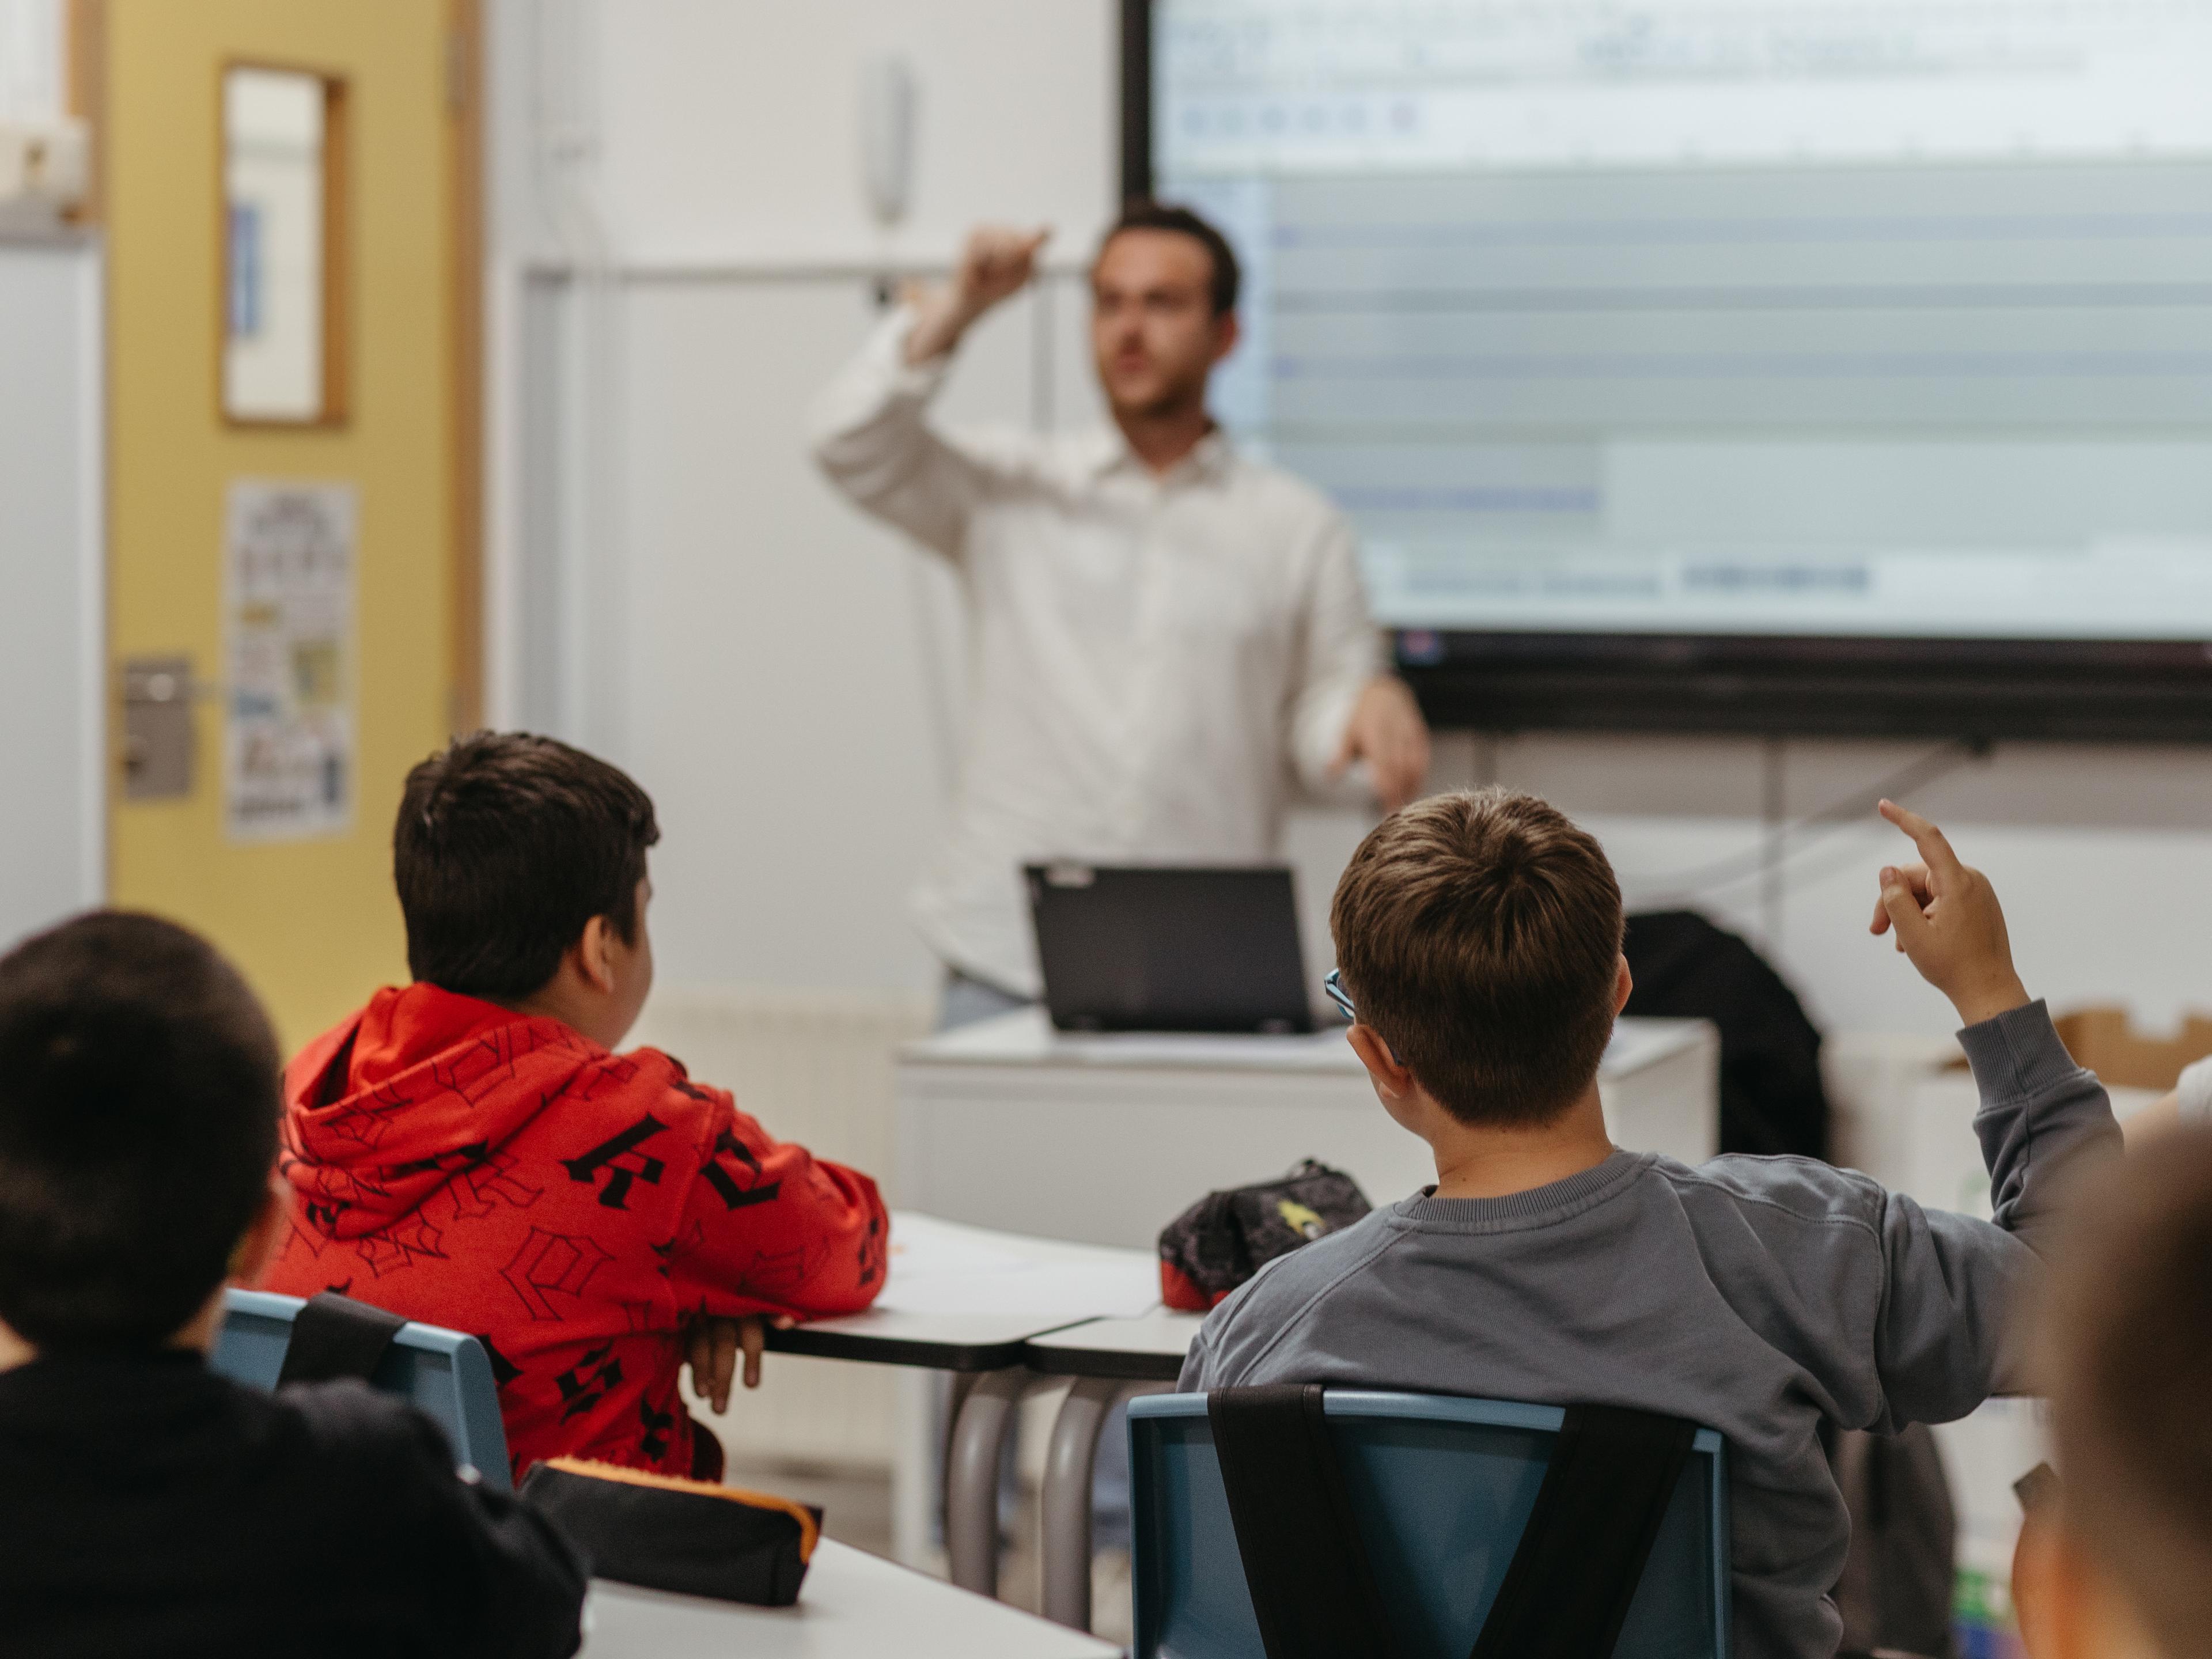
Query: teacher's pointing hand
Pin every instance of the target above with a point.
(996, 264)
(1385, 730)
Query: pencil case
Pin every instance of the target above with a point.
(669, 1534)
(1225, 1237)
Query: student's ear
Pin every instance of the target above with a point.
(258, 1242)
(1392, 1080)
(595, 954)
(1624, 985)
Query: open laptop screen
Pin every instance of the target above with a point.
(1160, 948)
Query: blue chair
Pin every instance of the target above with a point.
(1441, 1489)
(442, 1372)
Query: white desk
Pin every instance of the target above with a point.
(964, 1299)
(1009, 1124)
(852, 1606)
(1149, 1348)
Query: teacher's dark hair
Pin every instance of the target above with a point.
(1145, 214)
(138, 1102)
(506, 845)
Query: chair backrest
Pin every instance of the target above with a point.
(444, 1373)
(1441, 1489)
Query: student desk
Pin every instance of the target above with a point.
(1110, 1360)
(1105, 1139)
(963, 1300)
(852, 1606)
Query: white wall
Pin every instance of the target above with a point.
(52, 641)
(33, 61)
(760, 663)
(731, 126)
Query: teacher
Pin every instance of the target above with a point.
(1167, 636)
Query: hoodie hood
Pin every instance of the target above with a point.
(382, 1111)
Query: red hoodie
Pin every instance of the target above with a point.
(471, 1167)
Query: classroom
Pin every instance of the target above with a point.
(1199, 829)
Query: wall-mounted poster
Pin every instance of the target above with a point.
(287, 612)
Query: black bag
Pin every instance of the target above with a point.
(1225, 1237)
(1685, 968)
(669, 1534)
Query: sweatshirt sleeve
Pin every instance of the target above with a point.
(1197, 1374)
(2040, 1112)
(528, 1580)
(767, 1227)
(489, 1575)
(1949, 1332)
(1343, 651)
(871, 438)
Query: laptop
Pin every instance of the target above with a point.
(1164, 948)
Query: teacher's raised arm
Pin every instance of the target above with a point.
(1168, 634)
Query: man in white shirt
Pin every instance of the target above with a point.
(1168, 637)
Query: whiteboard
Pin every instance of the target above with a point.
(53, 621)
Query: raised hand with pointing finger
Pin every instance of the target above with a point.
(995, 264)
(1946, 918)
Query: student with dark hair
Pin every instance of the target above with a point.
(2117, 1563)
(148, 1505)
(1478, 940)
(470, 1150)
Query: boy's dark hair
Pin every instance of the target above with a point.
(1145, 214)
(1479, 934)
(507, 844)
(138, 1102)
(2127, 1341)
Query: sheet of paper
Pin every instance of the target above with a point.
(288, 622)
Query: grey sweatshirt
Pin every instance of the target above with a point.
(1754, 1295)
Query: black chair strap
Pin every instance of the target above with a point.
(336, 1336)
(1313, 1592)
(1567, 1591)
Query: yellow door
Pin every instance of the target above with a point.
(291, 490)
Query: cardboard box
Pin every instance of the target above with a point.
(2101, 1040)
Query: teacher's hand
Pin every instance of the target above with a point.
(996, 265)
(1385, 730)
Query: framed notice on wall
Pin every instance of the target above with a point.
(288, 623)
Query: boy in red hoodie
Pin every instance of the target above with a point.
(469, 1150)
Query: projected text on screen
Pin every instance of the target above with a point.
(1709, 316)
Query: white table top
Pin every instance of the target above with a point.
(852, 1606)
(1026, 1037)
(1148, 1348)
(963, 1299)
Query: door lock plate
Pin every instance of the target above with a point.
(158, 741)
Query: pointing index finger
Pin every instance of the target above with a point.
(1926, 837)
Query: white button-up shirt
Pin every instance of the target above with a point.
(1157, 661)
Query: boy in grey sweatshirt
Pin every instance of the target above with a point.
(1478, 936)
